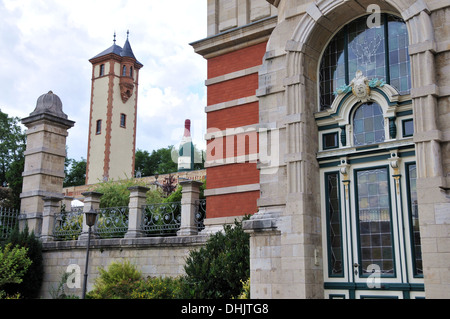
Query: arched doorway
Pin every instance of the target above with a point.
(367, 160)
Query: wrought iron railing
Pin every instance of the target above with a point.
(163, 219)
(200, 214)
(112, 222)
(8, 221)
(68, 225)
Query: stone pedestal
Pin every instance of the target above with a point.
(91, 201)
(189, 202)
(52, 205)
(137, 200)
(43, 174)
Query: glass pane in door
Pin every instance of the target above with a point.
(374, 221)
(334, 225)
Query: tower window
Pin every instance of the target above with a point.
(124, 70)
(123, 120)
(98, 129)
(102, 70)
(131, 71)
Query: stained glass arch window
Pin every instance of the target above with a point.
(378, 51)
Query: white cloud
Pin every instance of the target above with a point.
(46, 45)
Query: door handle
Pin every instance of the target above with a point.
(356, 265)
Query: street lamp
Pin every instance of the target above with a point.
(91, 216)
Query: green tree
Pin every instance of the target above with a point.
(142, 163)
(12, 147)
(158, 162)
(5, 197)
(76, 175)
(15, 180)
(161, 162)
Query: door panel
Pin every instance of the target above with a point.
(373, 222)
(370, 232)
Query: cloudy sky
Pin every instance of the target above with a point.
(46, 45)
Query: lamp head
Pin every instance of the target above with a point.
(91, 216)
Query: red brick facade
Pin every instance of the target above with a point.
(232, 204)
(237, 60)
(228, 184)
(237, 116)
(232, 89)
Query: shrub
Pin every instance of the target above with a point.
(158, 288)
(245, 293)
(217, 269)
(155, 196)
(117, 282)
(176, 195)
(32, 279)
(14, 263)
(115, 193)
(123, 280)
(70, 224)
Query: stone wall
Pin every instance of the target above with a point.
(157, 256)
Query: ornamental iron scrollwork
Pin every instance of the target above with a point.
(162, 219)
(112, 222)
(68, 224)
(200, 214)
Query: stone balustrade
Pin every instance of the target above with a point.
(188, 224)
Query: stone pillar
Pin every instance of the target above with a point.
(91, 200)
(43, 174)
(51, 207)
(190, 196)
(265, 255)
(433, 180)
(138, 195)
(67, 202)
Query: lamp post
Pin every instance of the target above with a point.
(90, 221)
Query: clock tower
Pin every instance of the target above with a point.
(113, 112)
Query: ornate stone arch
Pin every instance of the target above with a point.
(317, 26)
(290, 200)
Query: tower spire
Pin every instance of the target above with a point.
(114, 37)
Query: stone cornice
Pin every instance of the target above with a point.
(141, 242)
(49, 117)
(232, 39)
